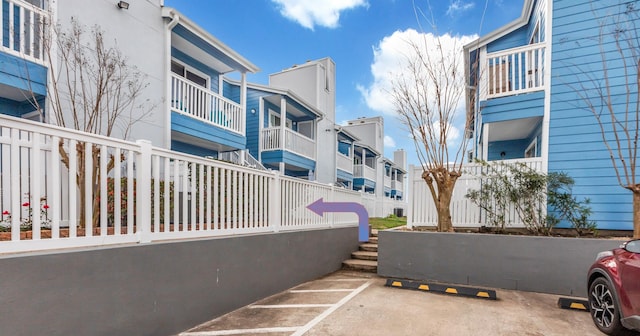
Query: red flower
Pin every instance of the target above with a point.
(6, 212)
(46, 206)
(25, 204)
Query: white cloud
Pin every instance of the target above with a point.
(309, 13)
(389, 142)
(458, 6)
(389, 62)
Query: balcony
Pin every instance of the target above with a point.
(397, 185)
(344, 163)
(205, 105)
(513, 71)
(21, 30)
(364, 171)
(387, 181)
(294, 142)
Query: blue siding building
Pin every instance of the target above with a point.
(23, 65)
(532, 84)
(281, 128)
(203, 120)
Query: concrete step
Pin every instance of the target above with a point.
(365, 255)
(373, 240)
(361, 265)
(369, 247)
(374, 233)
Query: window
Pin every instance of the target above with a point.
(190, 74)
(535, 36)
(274, 120)
(532, 150)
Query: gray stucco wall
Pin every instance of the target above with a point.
(160, 288)
(138, 33)
(537, 264)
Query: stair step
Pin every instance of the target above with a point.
(373, 239)
(365, 255)
(361, 265)
(374, 233)
(369, 247)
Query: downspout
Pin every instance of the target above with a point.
(175, 19)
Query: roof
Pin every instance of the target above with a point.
(305, 64)
(283, 92)
(182, 20)
(527, 8)
(367, 147)
(346, 133)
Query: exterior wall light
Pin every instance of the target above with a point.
(123, 5)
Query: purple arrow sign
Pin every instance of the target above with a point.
(320, 207)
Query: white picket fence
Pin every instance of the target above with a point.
(464, 213)
(139, 194)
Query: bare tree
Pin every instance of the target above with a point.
(427, 96)
(92, 88)
(609, 90)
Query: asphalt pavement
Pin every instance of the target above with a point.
(352, 303)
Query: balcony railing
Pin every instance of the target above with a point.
(344, 163)
(22, 30)
(293, 142)
(514, 71)
(364, 171)
(203, 104)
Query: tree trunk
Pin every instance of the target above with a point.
(444, 183)
(636, 213)
(445, 192)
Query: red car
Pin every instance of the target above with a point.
(614, 290)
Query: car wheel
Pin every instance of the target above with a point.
(604, 308)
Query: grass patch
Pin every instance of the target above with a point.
(391, 221)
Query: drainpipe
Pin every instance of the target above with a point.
(175, 19)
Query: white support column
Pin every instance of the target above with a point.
(410, 197)
(275, 206)
(485, 142)
(546, 118)
(483, 76)
(143, 184)
(283, 122)
(243, 102)
(260, 127)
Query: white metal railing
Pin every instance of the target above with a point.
(364, 171)
(514, 71)
(203, 104)
(241, 157)
(296, 194)
(464, 213)
(293, 142)
(22, 30)
(345, 163)
(134, 193)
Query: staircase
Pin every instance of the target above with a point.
(366, 258)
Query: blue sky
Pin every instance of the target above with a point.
(364, 37)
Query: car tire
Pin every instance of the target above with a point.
(604, 308)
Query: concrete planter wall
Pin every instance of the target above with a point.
(159, 288)
(538, 264)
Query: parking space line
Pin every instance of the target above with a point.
(333, 308)
(319, 290)
(241, 331)
(291, 306)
